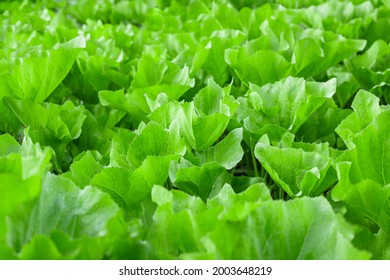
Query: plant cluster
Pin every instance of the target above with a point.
(195, 129)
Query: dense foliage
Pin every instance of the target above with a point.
(194, 129)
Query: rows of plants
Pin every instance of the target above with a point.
(194, 129)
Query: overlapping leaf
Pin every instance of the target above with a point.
(300, 229)
(363, 169)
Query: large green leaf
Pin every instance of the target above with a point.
(367, 135)
(21, 170)
(126, 188)
(63, 206)
(264, 66)
(63, 122)
(300, 229)
(288, 103)
(227, 152)
(84, 168)
(301, 169)
(35, 78)
(363, 169)
(153, 140)
(367, 197)
(195, 180)
(305, 228)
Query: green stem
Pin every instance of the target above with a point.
(254, 163)
(167, 185)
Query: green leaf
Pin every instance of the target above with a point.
(367, 136)
(305, 228)
(208, 129)
(303, 169)
(264, 66)
(59, 246)
(119, 147)
(362, 169)
(145, 144)
(21, 172)
(114, 99)
(150, 71)
(227, 152)
(214, 107)
(35, 78)
(40, 248)
(124, 187)
(288, 103)
(64, 122)
(366, 197)
(321, 125)
(306, 52)
(8, 145)
(371, 67)
(84, 169)
(72, 210)
(194, 179)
